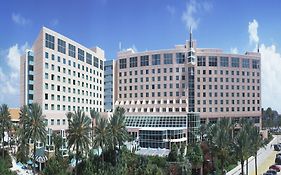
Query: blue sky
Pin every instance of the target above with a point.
(142, 25)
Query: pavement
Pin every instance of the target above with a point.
(265, 158)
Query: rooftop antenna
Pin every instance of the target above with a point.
(190, 37)
(258, 47)
(120, 45)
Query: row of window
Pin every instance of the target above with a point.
(183, 85)
(69, 108)
(210, 102)
(79, 100)
(92, 60)
(177, 70)
(60, 88)
(58, 122)
(203, 109)
(71, 63)
(183, 78)
(225, 62)
(178, 94)
(167, 58)
(73, 81)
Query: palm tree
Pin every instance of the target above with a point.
(58, 143)
(256, 143)
(117, 128)
(241, 143)
(5, 119)
(218, 138)
(95, 116)
(23, 149)
(78, 133)
(36, 127)
(101, 133)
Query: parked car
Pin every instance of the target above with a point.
(276, 147)
(272, 171)
(275, 167)
(278, 154)
(278, 160)
(267, 174)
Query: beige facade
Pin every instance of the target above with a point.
(67, 76)
(156, 83)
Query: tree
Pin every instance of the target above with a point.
(241, 143)
(5, 119)
(78, 133)
(56, 166)
(95, 116)
(117, 128)
(101, 134)
(195, 156)
(58, 143)
(36, 127)
(23, 140)
(256, 143)
(222, 140)
(173, 155)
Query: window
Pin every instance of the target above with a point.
(134, 62)
(61, 46)
(96, 62)
(89, 58)
(245, 63)
(46, 55)
(234, 62)
(81, 54)
(156, 59)
(224, 62)
(49, 41)
(213, 61)
(123, 63)
(168, 58)
(101, 64)
(144, 60)
(255, 64)
(71, 50)
(180, 58)
(201, 61)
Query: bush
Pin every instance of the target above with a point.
(56, 166)
(4, 169)
(8, 159)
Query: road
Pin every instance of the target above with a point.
(266, 157)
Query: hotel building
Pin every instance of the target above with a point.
(164, 91)
(62, 76)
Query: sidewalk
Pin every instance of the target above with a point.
(265, 159)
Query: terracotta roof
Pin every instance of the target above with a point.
(14, 114)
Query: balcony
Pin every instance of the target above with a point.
(30, 92)
(30, 72)
(30, 62)
(30, 82)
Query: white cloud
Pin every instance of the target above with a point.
(133, 48)
(253, 32)
(171, 9)
(9, 74)
(19, 19)
(191, 16)
(270, 77)
(234, 50)
(270, 69)
(13, 56)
